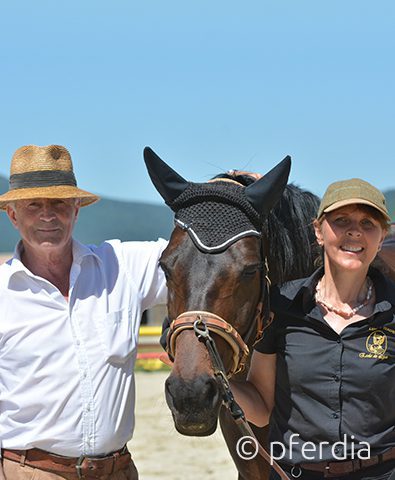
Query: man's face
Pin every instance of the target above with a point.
(44, 223)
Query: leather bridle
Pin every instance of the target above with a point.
(216, 324)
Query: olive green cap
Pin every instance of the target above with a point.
(348, 192)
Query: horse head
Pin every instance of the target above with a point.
(216, 271)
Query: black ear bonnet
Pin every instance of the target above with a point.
(216, 214)
(220, 212)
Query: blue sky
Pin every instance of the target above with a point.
(209, 85)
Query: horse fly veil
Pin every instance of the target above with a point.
(220, 212)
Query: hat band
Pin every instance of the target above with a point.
(42, 178)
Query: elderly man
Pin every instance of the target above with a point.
(69, 321)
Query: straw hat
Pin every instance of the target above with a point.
(43, 172)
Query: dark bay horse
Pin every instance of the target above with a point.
(226, 243)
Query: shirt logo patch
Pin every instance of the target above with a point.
(376, 346)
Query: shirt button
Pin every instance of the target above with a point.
(78, 342)
(335, 415)
(336, 378)
(338, 340)
(88, 408)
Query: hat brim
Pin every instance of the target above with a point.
(60, 191)
(353, 201)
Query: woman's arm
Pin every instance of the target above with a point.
(256, 395)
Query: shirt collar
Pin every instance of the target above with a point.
(305, 288)
(80, 251)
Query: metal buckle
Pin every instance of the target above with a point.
(124, 450)
(201, 332)
(294, 474)
(78, 467)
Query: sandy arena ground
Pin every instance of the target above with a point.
(162, 453)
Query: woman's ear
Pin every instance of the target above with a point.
(318, 232)
(384, 234)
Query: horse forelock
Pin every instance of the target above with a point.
(244, 179)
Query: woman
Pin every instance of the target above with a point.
(324, 372)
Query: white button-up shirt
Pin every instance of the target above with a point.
(66, 367)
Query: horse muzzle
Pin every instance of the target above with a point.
(194, 404)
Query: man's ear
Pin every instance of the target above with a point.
(11, 212)
(77, 209)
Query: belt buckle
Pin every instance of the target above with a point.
(327, 470)
(78, 466)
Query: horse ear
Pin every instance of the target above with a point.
(167, 181)
(266, 192)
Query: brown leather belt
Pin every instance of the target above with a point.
(72, 468)
(345, 467)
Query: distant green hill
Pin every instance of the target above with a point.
(105, 220)
(118, 219)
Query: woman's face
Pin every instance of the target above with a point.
(351, 237)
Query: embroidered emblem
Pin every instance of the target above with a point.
(376, 342)
(376, 345)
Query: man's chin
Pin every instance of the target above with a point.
(53, 243)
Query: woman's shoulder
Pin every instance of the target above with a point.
(292, 288)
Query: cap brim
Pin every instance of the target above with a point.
(353, 201)
(60, 191)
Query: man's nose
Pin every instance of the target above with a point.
(47, 212)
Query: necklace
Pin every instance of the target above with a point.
(339, 311)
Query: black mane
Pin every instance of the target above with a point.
(290, 233)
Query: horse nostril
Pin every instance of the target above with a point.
(210, 391)
(169, 387)
(184, 396)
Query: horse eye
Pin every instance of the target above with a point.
(250, 271)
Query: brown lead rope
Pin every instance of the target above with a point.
(247, 431)
(234, 408)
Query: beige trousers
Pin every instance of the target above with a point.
(16, 471)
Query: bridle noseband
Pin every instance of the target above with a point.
(203, 323)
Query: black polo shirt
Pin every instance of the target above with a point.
(329, 386)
